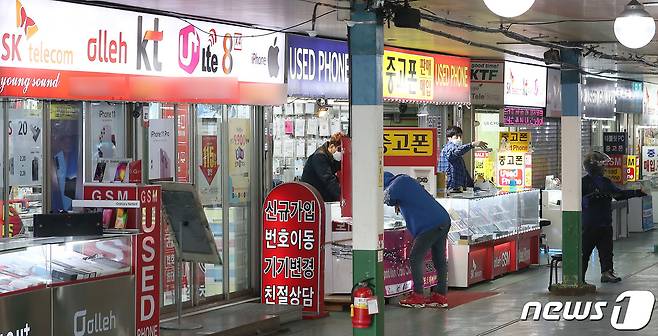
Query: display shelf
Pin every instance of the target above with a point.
(31, 263)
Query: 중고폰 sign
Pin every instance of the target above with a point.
(410, 146)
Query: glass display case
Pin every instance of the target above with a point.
(493, 216)
(27, 263)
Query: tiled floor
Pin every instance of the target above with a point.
(500, 314)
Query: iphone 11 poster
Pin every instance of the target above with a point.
(161, 149)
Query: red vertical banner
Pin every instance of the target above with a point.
(183, 144)
(504, 259)
(148, 262)
(293, 248)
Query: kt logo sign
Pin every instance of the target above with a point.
(631, 312)
(143, 38)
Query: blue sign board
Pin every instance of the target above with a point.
(317, 68)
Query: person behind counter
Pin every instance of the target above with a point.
(598, 192)
(429, 223)
(321, 167)
(452, 162)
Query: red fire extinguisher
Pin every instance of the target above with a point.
(361, 294)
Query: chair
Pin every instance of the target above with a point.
(556, 259)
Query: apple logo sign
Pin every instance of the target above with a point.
(273, 59)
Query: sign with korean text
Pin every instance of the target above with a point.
(629, 96)
(599, 96)
(614, 170)
(523, 116)
(317, 67)
(410, 146)
(484, 165)
(525, 85)
(178, 60)
(408, 75)
(293, 248)
(615, 143)
(209, 163)
(514, 141)
(397, 271)
(631, 168)
(649, 161)
(514, 170)
(487, 82)
(452, 79)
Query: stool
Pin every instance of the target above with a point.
(556, 259)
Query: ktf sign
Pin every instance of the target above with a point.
(293, 248)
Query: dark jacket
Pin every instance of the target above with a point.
(420, 210)
(598, 192)
(320, 172)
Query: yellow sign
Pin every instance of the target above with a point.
(408, 76)
(408, 142)
(514, 170)
(515, 141)
(631, 168)
(484, 166)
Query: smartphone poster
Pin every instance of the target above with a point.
(161, 149)
(65, 138)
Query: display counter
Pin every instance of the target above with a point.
(491, 234)
(54, 286)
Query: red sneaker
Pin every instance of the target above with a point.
(413, 300)
(437, 301)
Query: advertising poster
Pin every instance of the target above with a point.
(484, 166)
(397, 273)
(515, 141)
(25, 130)
(239, 138)
(487, 82)
(108, 124)
(525, 85)
(65, 136)
(514, 170)
(208, 176)
(161, 149)
(650, 105)
(615, 169)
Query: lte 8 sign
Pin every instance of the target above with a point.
(293, 248)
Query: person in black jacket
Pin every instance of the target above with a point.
(321, 167)
(598, 192)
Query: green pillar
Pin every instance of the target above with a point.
(572, 279)
(366, 47)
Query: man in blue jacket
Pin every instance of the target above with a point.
(598, 192)
(429, 223)
(451, 161)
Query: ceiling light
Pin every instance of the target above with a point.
(634, 27)
(509, 8)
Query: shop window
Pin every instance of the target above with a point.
(209, 184)
(106, 140)
(66, 154)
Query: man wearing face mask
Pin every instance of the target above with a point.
(598, 192)
(452, 162)
(321, 167)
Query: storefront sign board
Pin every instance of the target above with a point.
(78, 309)
(631, 168)
(149, 246)
(423, 77)
(599, 96)
(317, 67)
(514, 170)
(177, 60)
(649, 161)
(525, 85)
(293, 248)
(629, 96)
(615, 143)
(487, 82)
(27, 313)
(615, 169)
(515, 141)
(523, 116)
(410, 146)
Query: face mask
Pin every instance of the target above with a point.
(338, 156)
(457, 142)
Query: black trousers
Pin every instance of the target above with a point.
(601, 238)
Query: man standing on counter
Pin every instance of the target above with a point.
(429, 224)
(452, 162)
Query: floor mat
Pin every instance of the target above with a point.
(458, 298)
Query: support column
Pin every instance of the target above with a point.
(366, 47)
(572, 280)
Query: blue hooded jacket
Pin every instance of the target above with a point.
(420, 210)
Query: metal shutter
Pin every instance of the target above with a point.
(546, 155)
